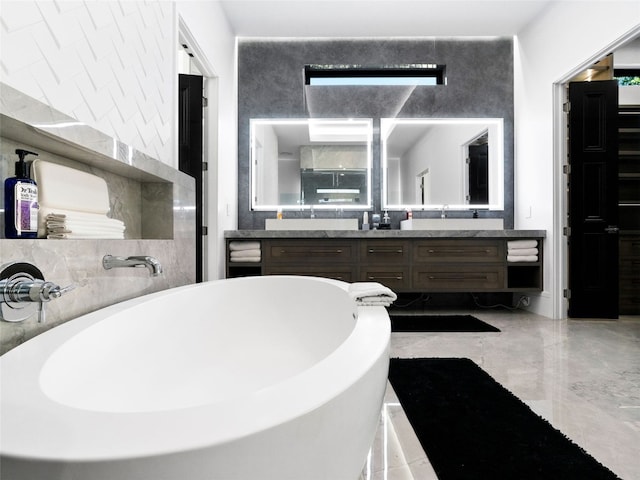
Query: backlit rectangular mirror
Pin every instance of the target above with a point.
(305, 163)
(431, 162)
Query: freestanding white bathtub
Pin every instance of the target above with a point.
(253, 378)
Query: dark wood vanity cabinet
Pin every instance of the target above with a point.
(412, 264)
(629, 208)
(629, 274)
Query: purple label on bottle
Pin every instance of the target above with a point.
(26, 197)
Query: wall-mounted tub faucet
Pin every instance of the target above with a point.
(154, 266)
(23, 289)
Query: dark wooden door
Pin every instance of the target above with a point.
(593, 199)
(190, 149)
(479, 174)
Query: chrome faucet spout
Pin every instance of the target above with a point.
(443, 214)
(151, 263)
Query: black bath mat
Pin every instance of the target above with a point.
(471, 427)
(439, 323)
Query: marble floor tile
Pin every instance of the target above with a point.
(583, 376)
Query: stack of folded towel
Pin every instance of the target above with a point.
(244, 251)
(73, 204)
(371, 294)
(69, 224)
(522, 251)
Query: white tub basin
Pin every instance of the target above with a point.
(452, 224)
(271, 378)
(311, 224)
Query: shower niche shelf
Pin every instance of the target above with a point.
(147, 195)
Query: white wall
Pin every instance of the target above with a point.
(209, 27)
(564, 37)
(108, 64)
(112, 65)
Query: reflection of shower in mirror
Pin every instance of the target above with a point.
(311, 164)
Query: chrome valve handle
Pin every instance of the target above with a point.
(23, 288)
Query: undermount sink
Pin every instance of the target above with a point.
(311, 224)
(452, 224)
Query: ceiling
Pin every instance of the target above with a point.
(380, 18)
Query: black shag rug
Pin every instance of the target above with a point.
(439, 323)
(472, 428)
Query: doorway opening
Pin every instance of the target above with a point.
(599, 68)
(191, 62)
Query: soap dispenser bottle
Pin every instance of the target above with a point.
(21, 201)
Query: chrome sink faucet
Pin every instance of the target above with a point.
(154, 266)
(443, 213)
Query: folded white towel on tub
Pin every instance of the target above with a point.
(371, 293)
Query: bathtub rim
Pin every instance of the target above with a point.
(368, 340)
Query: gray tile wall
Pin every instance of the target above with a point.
(271, 85)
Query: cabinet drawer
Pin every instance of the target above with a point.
(396, 278)
(629, 267)
(384, 252)
(458, 278)
(312, 251)
(630, 247)
(459, 251)
(344, 273)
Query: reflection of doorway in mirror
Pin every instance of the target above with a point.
(477, 171)
(423, 188)
(259, 174)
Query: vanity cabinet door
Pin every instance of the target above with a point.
(385, 252)
(386, 262)
(303, 251)
(459, 251)
(458, 278)
(326, 258)
(397, 278)
(459, 265)
(346, 273)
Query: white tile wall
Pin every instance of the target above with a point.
(109, 64)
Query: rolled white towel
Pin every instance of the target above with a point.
(514, 244)
(238, 245)
(522, 258)
(522, 251)
(245, 259)
(245, 253)
(371, 293)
